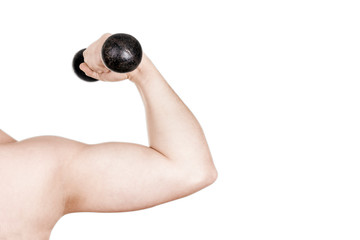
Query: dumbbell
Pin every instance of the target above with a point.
(120, 53)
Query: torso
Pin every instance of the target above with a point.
(32, 188)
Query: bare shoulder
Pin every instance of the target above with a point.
(40, 162)
(42, 149)
(57, 148)
(43, 157)
(32, 181)
(50, 141)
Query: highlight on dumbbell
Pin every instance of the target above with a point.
(120, 53)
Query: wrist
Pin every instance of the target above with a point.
(144, 72)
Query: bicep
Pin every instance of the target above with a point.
(115, 177)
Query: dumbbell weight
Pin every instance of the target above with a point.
(120, 53)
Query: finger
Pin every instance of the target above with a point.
(97, 67)
(94, 62)
(92, 65)
(113, 76)
(88, 71)
(108, 76)
(104, 69)
(85, 68)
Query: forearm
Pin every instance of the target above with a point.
(172, 129)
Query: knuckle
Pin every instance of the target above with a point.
(106, 35)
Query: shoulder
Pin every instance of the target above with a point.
(5, 138)
(46, 150)
(44, 143)
(35, 169)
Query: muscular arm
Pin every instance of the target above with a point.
(114, 177)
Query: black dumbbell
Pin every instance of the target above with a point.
(120, 53)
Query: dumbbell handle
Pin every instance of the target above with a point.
(120, 53)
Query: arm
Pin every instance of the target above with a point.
(4, 138)
(122, 176)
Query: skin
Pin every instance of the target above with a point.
(43, 178)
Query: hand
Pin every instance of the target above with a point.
(93, 65)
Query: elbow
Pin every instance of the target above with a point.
(203, 178)
(210, 176)
(208, 173)
(195, 175)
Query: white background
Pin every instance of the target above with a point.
(274, 84)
